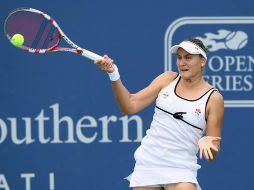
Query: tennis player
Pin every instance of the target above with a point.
(187, 118)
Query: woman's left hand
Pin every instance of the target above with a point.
(207, 145)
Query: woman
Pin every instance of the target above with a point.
(188, 117)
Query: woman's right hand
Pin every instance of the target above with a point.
(105, 64)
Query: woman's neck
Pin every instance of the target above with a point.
(196, 82)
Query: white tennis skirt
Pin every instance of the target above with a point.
(161, 176)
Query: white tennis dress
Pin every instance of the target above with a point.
(167, 153)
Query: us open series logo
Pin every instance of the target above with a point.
(230, 63)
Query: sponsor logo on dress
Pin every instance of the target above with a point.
(165, 94)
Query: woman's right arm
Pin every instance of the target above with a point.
(131, 103)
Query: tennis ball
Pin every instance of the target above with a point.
(17, 40)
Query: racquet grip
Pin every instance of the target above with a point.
(90, 55)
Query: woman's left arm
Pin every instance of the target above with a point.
(210, 144)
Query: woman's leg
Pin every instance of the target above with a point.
(181, 186)
(147, 188)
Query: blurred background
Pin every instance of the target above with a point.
(60, 127)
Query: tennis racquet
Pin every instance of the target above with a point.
(41, 33)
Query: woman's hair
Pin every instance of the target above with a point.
(199, 43)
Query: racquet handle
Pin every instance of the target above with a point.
(90, 55)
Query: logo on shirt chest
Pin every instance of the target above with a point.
(197, 113)
(165, 94)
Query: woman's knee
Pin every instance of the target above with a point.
(181, 186)
(147, 188)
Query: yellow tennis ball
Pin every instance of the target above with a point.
(17, 40)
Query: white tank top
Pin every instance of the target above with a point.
(172, 142)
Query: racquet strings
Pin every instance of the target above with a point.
(38, 32)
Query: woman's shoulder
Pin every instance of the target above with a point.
(167, 77)
(217, 96)
(216, 99)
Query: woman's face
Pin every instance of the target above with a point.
(189, 65)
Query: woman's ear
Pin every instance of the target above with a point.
(203, 61)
